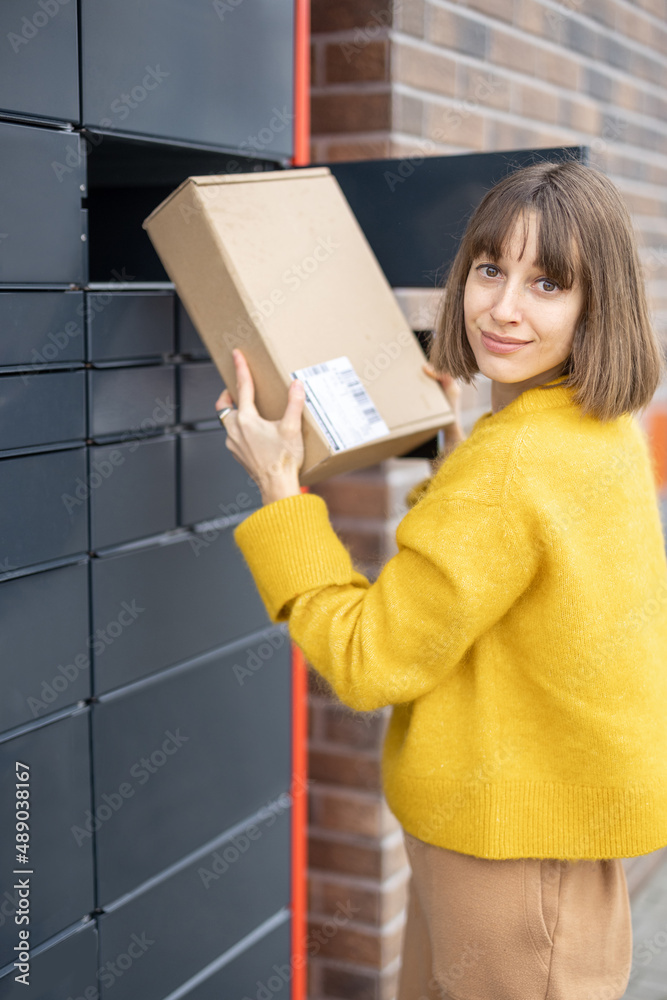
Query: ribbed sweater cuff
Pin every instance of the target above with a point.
(291, 547)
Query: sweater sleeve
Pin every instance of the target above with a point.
(460, 566)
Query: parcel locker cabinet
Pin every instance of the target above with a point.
(129, 324)
(44, 513)
(61, 845)
(62, 969)
(414, 211)
(186, 596)
(212, 483)
(201, 384)
(40, 206)
(39, 67)
(41, 329)
(163, 742)
(44, 647)
(215, 73)
(189, 342)
(203, 913)
(131, 401)
(42, 409)
(265, 960)
(132, 490)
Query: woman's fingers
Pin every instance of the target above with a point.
(291, 419)
(224, 399)
(244, 382)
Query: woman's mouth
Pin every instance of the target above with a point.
(496, 347)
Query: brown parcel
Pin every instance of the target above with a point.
(275, 263)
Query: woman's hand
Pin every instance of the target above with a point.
(271, 451)
(454, 433)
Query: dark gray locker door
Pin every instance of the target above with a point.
(201, 385)
(164, 743)
(189, 919)
(131, 400)
(183, 598)
(40, 206)
(189, 341)
(41, 328)
(266, 963)
(62, 971)
(44, 668)
(135, 490)
(206, 73)
(61, 888)
(39, 66)
(44, 513)
(130, 324)
(213, 484)
(42, 408)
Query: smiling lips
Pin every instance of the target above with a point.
(502, 347)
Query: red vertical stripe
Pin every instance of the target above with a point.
(301, 83)
(299, 822)
(299, 887)
(657, 432)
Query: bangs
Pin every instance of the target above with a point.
(557, 252)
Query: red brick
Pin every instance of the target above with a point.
(354, 944)
(345, 812)
(409, 17)
(347, 63)
(356, 855)
(423, 69)
(362, 150)
(457, 126)
(337, 982)
(501, 9)
(350, 112)
(483, 88)
(513, 52)
(325, 896)
(350, 496)
(340, 15)
(356, 730)
(530, 101)
(351, 769)
(349, 858)
(558, 68)
(581, 114)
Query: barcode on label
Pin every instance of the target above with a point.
(340, 404)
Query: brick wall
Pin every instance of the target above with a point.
(431, 77)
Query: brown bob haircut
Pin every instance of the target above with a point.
(584, 230)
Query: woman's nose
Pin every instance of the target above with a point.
(506, 306)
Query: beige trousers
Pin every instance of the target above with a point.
(518, 929)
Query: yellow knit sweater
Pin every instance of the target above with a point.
(520, 632)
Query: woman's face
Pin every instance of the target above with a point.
(513, 299)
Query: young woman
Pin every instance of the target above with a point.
(520, 632)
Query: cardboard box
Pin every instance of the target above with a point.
(275, 263)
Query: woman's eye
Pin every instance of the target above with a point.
(488, 267)
(552, 285)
